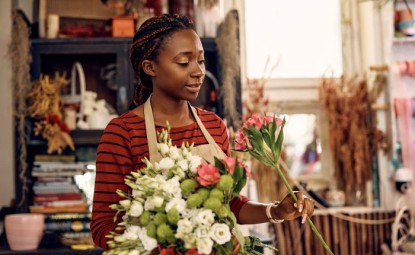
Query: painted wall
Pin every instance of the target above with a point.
(6, 108)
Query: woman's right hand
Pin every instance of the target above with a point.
(288, 209)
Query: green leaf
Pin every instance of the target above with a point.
(278, 144)
(238, 233)
(219, 164)
(273, 129)
(267, 138)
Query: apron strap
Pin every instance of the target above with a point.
(152, 137)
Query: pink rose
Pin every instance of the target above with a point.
(207, 174)
(270, 119)
(230, 164)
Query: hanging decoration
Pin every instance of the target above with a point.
(19, 52)
(228, 50)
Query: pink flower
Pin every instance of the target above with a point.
(255, 121)
(245, 166)
(230, 164)
(207, 174)
(192, 252)
(241, 140)
(270, 119)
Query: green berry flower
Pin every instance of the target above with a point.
(164, 231)
(225, 182)
(173, 216)
(151, 230)
(213, 204)
(223, 211)
(145, 218)
(194, 200)
(217, 193)
(160, 218)
(203, 192)
(188, 186)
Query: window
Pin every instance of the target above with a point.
(304, 35)
(303, 39)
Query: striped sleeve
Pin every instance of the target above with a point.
(113, 162)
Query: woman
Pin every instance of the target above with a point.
(167, 56)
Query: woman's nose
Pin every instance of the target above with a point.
(199, 70)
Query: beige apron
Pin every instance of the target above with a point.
(206, 151)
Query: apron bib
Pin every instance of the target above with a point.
(206, 151)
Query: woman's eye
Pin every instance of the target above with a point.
(202, 61)
(183, 64)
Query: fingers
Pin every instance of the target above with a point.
(308, 209)
(236, 246)
(300, 201)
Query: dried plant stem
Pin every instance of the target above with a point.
(310, 222)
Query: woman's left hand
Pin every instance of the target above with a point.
(288, 209)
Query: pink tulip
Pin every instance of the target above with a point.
(207, 174)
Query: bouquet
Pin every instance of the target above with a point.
(180, 205)
(262, 137)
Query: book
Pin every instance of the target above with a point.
(57, 197)
(48, 157)
(83, 208)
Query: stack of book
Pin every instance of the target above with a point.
(73, 228)
(53, 185)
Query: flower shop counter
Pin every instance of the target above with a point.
(346, 230)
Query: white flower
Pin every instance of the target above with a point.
(178, 203)
(125, 202)
(163, 148)
(220, 233)
(184, 226)
(195, 161)
(172, 187)
(185, 151)
(153, 202)
(134, 252)
(183, 164)
(138, 193)
(189, 213)
(131, 233)
(174, 153)
(148, 242)
(204, 217)
(202, 231)
(120, 238)
(179, 172)
(204, 245)
(166, 163)
(136, 209)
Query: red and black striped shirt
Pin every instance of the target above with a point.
(121, 150)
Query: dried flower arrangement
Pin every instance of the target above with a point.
(45, 103)
(352, 126)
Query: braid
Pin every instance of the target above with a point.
(147, 42)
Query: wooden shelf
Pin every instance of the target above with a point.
(80, 138)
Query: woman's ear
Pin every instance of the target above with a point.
(149, 68)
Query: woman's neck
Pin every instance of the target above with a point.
(177, 113)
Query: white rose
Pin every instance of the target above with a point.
(195, 161)
(166, 163)
(204, 217)
(220, 233)
(125, 203)
(189, 213)
(204, 245)
(163, 148)
(189, 241)
(178, 203)
(136, 209)
(183, 164)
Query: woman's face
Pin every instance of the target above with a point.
(179, 69)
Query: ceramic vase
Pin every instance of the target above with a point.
(24, 231)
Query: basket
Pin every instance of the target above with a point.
(73, 98)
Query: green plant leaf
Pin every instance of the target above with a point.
(219, 165)
(278, 144)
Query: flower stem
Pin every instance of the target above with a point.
(310, 222)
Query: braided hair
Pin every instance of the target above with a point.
(146, 45)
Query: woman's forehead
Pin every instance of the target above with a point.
(183, 41)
